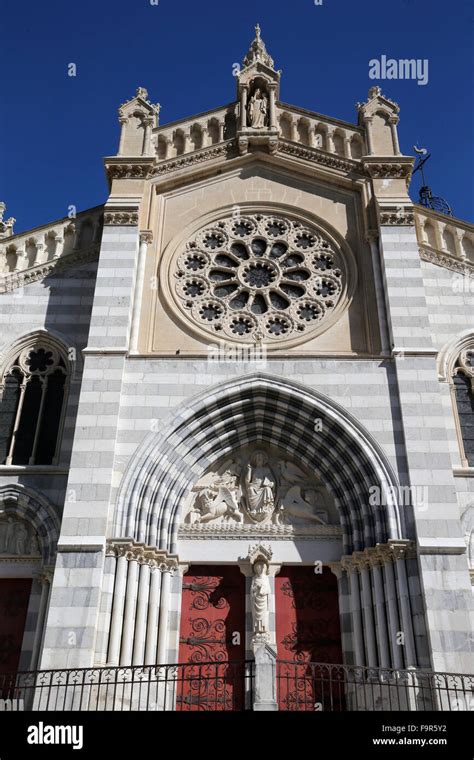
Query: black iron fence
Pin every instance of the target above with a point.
(194, 686)
(304, 686)
(229, 686)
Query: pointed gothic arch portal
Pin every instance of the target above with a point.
(260, 410)
(222, 469)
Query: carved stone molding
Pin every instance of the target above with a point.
(260, 552)
(283, 532)
(378, 555)
(129, 171)
(388, 170)
(402, 549)
(45, 577)
(400, 216)
(320, 157)
(361, 560)
(348, 564)
(121, 217)
(143, 554)
(447, 261)
(146, 236)
(18, 279)
(183, 162)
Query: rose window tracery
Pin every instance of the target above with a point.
(259, 277)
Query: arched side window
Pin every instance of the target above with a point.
(463, 391)
(33, 391)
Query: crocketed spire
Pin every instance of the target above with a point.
(258, 51)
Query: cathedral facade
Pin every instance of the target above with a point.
(237, 417)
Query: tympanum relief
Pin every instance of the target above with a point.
(17, 537)
(258, 491)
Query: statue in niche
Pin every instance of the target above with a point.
(20, 539)
(17, 537)
(260, 595)
(259, 487)
(258, 109)
(7, 528)
(467, 524)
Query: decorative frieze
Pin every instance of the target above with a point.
(121, 217)
(400, 216)
(129, 171)
(184, 162)
(448, 262)
(143, 554)
(389, 170)
(320, 157)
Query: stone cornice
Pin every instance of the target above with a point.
(229, 149)
(225, 149)
(397, 216)
(398, 167)
(143, 554)
(131, 170)
(121, 217)
(286, 147)
(16, 280)
(446, 260)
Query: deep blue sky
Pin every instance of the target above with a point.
(55, 130)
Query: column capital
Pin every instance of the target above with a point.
(402, 548)
(348, 564)
(146, 236)
(361, 560)
(372, 235)
(145, 555)
(336, 569)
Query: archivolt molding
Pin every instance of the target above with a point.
(57, 341)
(259, 409)
(29, 505)
(451, 353)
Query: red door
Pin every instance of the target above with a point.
(308, 631)
(14, 598)
(212, 639)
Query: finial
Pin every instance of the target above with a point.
(258, 51)
(142, 92)
(6, 228)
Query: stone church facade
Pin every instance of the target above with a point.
(237, 407)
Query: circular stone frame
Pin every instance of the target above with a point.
(319, 257)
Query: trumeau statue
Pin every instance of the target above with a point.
(260, 595)
(257, 488)
(258, 109)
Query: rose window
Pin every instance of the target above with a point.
(259, 277)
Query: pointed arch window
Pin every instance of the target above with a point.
(33, 394)
(463, 391)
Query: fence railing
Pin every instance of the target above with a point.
(229, 686)
(304, 686)
(194, 686)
